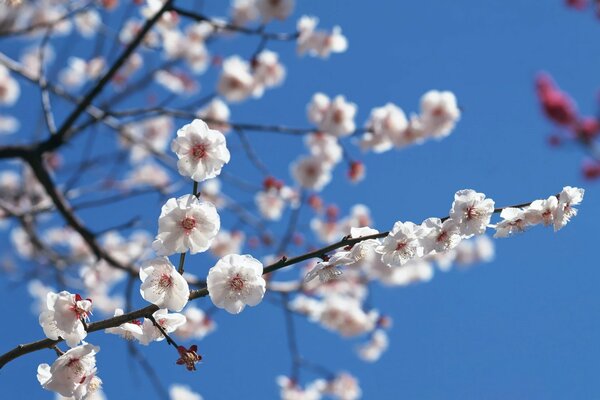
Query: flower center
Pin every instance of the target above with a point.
(338, 116)
(188, 224)
(473, 212)
(236, 283)
(165, 281)
(198, 151)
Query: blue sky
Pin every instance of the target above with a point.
(523, 326)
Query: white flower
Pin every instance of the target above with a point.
(243, 11)
(162, 285)
(316, 109)
(274, 9)
(569, 197)
(327, 270)
(344, 387)
(227, 243)
(202, 151)
(63, 317)
(471, 211)
(216, 114)
(290, 390)
(319, 42)
(8, 125)
(440, 236)
(542, 211)
(9, 88)
(181, 392)
(325, 147)
(197, 324)
(268, 71)
(439, 112)
(186, 224)
(363, 248)
(374, 348)
(147, 137)
(514, 221)
(87, 22)
(270, 204)
(73, 373)
(345, 315)
(128, 330)
(338, 120)
(236, 281)
(236, 82)
(401, 245)
(311, 172)
(168, 322)
(385, 126)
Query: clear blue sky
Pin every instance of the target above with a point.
(525, 326)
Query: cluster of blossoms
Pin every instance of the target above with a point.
(561, 110)
(342, 386)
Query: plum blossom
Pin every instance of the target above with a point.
(182, 392)
(401, 245)
(344, 387)
(73, 373)
(471, 211)
(186, 224)
(168, 322)
(87, 22)
(385, 127)
(325, 147)
(290, 390)
(542, 211)
(243, 11)
(9, 88)
(440, 236)
(569, 197)
(188, 357)
(8, 125)
(202, 151)
(162, 285)
(311, 172)
(335, 116)
(328, 270)
(374, 348)
(274, 9)
(128, 330)
(216, 115)
(197, 324)
(319, 43)
(227, 243)
(268, 71)
(236, 281)
(439, 112)
(345, 315)
(147, 137)
(514, 221)
(236, 82)
(63, 316)
(270, 204)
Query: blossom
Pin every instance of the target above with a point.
(188, 357)
(197, 324)
(9, 88)
(325, 147)
(186, 224)
(268, 71)
(514, 221)
(569, 197)
(385, 125)
(162, 285)
(216, 115)
(243, 11)
(181, 392)
(311, 172)
(87, 22)
(374, 348)
(290, 390)
(542, 211)
(401, 245)
(440, 236)
(345, 315)
(227, 243)
(202, 151)
(236, 82)
(63, 317)
(471, 211)
(439, 112)
(327, 270)
(128, 330)
(270, 204)
(236, 281)
(73, 373)
(344, 387)
(274, 9)
(338, 119)
(168, 322)
(319, 42)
